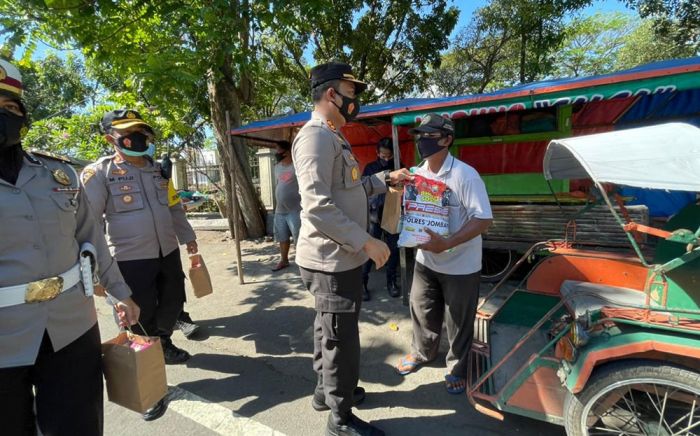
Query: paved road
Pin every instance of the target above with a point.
(253, 375)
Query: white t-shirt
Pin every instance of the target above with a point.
(468, 200)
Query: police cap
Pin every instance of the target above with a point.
(123, 119)
(11, 83)
(335, 71)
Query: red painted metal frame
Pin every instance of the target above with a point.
(634, 227)
(596, 357)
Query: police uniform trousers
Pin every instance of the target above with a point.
(66, 386)
(158, 287)
(436, 297)
(336, 360)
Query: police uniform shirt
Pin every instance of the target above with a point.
(45, 218)
(143, 213)
(334, 215)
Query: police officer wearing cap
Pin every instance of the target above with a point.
(144, 222)
(334, 243)
(51, 250)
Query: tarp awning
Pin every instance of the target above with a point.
(658, 78)
(665, 156)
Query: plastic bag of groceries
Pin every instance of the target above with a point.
(425, 204)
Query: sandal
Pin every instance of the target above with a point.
(280, 266)
(408, 364)
(455, 384)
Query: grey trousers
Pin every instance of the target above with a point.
(338, 297)
(436, 297)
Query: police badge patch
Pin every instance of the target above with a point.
(87, 175)
(61, 177)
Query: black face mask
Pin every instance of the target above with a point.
(12, 128)
(429, 146)
(349, 108)
(280, 156)
(384, 162)
(135, 142)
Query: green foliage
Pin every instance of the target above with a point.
(507, 42)
(54, 85)
(677, 20)
(606, 43)
(592, 44)
(76, 136)
(646, 45)
(392, 45)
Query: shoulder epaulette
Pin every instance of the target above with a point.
(49, 155)
(104, 158)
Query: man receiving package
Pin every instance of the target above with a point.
(446, 276)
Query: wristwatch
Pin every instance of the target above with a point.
(387, 177)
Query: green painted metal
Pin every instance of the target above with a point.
(683, 281)
(525, 308)
(630, 237)
(629, 335)
(645, 325)
(563, 130)
(508, 139)
(678, 82)
(521, 184)
(678, 262)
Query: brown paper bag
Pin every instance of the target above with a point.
(199, 276)
(392, 210)
(135, 379)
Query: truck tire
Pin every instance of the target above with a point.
(636, 397)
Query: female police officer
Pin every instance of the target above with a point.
(49, 339)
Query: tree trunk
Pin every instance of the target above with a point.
(523, 53)
(223, 96)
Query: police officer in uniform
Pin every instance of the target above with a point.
(334, 243)
(144, 222)
(49, 339)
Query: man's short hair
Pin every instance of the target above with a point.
(317, 92)
(387, 144)
(284, 145)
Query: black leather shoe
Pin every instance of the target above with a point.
(174, 355)
(354, 426)
(393, 289)
(319, 401)
(189, 329)
(156, 411)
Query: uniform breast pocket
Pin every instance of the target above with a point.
(162, 192)
(126, 197)
(66, 209)
(351, 170)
